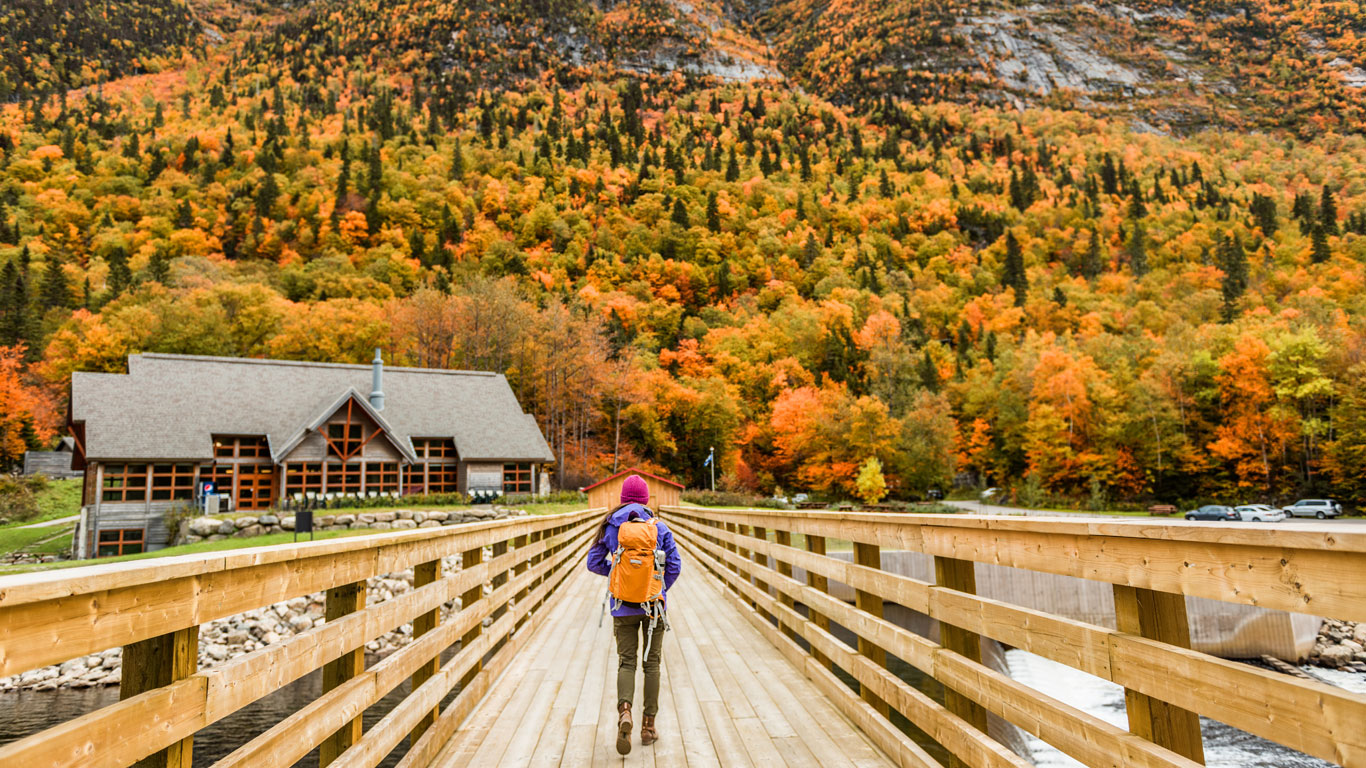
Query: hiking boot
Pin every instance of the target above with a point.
(624, 728)
(648, 735)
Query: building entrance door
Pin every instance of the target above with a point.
(255, 486)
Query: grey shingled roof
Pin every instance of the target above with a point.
(169, 406)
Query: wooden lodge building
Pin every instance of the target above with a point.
(265, 430)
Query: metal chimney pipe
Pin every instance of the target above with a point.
(377, 383)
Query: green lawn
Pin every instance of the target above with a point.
(61, 498)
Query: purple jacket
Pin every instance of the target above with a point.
(600, 554)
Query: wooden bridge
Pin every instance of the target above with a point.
(763, 666)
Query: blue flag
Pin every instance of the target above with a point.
(708, 461)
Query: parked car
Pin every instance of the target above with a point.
(1260, 513)
(1213, 512)
(1319, 508)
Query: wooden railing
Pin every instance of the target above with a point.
(153, 609)
(1152, 567)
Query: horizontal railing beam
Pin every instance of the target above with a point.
(1302, 569)
(123, 733)
(1327, 718)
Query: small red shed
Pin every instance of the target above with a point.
(607, 492)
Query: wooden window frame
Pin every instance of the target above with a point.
(179, 479)
(122, 541)
(124, 492)
(517, 477)
(343, 477)
(381, 476)
(303, 477)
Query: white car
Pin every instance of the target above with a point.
(1259, 513)
(1319, 508)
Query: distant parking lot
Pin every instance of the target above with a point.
(980, 508)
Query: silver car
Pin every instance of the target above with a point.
(1319, 508)
(1259, 513)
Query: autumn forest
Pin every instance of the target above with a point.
(663, 260)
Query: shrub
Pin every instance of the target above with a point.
(730, 499)
(18, 497)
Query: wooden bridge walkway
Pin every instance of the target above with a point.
(765, 666)
(728, 698)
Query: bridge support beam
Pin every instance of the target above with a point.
(870, 555)
(1159, 616)
(761, 560)
(154, 663)
(424, 574)
(960, 575)
(784, 538)
(343, 600)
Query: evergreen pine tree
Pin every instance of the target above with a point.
(417, 246)
(680, 214)
(159, 267)
(723, 283)
(1093, 261)
(1328, 211)
(811, 250)
(119, 275)
(56, 292)
(884, 184)
(1321, 252)
(458, 161)
(184, 218)
(1137, 250)
(1233, 261)
(266, 195)
(929, 373)
(713, 213)
(732, 166)
(1014, 276)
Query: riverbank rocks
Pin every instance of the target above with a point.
(1340, 645)
(233, 636)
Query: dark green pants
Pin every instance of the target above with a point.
(630, 632)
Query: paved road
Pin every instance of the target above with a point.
(980, 508)
(53, 523)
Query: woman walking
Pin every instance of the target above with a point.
(637, 553)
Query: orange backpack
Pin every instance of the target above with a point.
(637, 574)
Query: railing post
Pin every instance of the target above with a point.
(468, 559)
(520, 543)
(870, 555)
(761, 561)
(499, 579)
(816, 546)
(342, 600)
(960, 575)
(1159, 616)
(424, 574)
(784, 538)
(154, 663)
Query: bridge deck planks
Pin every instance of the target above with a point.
(729, 698)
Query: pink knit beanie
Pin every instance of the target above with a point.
(635, 490)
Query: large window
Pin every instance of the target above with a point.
(345, 440)
(240, 447)
(434, 448)
(343, 478)
(441, 478)
(381, 476)
(124, 482)
(172, 482)
(304, 478)
(122, 541)
(516, 478)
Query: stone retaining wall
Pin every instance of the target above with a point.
(245, 526)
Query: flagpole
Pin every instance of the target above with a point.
(711, 461)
